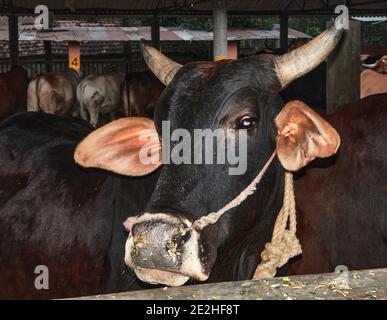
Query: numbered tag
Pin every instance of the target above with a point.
(74, 63)
(75, 56)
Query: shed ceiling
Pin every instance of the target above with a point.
(195, 6)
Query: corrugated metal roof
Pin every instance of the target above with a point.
(81, 34)
(371, 19)
(36, 48)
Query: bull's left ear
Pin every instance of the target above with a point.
(128, 146)
(303, 135)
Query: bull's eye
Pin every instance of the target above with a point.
(248, 123)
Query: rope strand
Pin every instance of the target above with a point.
(284, 244)
(213, 217)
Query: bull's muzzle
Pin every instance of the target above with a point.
(162, 249)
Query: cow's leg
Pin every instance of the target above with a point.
(83, 112)
(32, 96)
(94, 118)
(76, 112)
(113, 115)
(125, 99)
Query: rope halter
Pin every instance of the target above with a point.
(213, 217)
(284, 244)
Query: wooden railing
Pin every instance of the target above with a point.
(89, 65)
(364, 285)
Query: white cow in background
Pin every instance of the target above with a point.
(99, 94)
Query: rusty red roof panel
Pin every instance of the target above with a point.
(102, 33)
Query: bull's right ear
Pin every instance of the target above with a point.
(128, 146)
(303, 135)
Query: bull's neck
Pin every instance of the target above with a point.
(243, 253)
(269, 203)
(130, 197)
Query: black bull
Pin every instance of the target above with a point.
(55, 213)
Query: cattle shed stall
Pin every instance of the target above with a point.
(123, 43)
(335, 92)
(353, 285)
(105, 47)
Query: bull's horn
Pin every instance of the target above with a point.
(371, 66)
(162, 67)
(299, 62)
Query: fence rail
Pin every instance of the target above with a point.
(89, 65)
(362, 285)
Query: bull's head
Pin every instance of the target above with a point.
(383, 64)
(379, 65)
(242, 95)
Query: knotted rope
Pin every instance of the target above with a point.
(284, 244)
(213, 217)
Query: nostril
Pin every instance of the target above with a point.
(158, 241)
(171, 249)
(180, 237)
(185, 238)
(138, 243)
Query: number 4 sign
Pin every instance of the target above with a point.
(75, 56)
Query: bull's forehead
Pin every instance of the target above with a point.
(200, 89)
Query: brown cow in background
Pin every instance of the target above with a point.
(140, 92)
(13, 91)
(54, 93)
(377, 64)
(372, 82)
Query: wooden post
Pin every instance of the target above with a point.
(343, 70)
(74, 54)
(352, 285)
(210, 49)
(13, 39)
(47, 55)
(155, 30)
(284, 32)
(220, 30)
(128, 56)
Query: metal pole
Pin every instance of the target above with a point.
(220, 29)
(128, 56)
(48, 56)
(155, 31)
(284, 32)
(13, 39)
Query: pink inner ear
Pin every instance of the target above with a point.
(303, 135)
(128, 223)
(117, 146)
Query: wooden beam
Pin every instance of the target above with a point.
(47, 55)
(220, 30)
(357, 285)
(13, 39)
(343, 70)
(155, 30)
(89, 12)
(74, 56)
(128, 56)
(284, 32)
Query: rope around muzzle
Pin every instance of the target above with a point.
(213, 217)
(284, 244)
